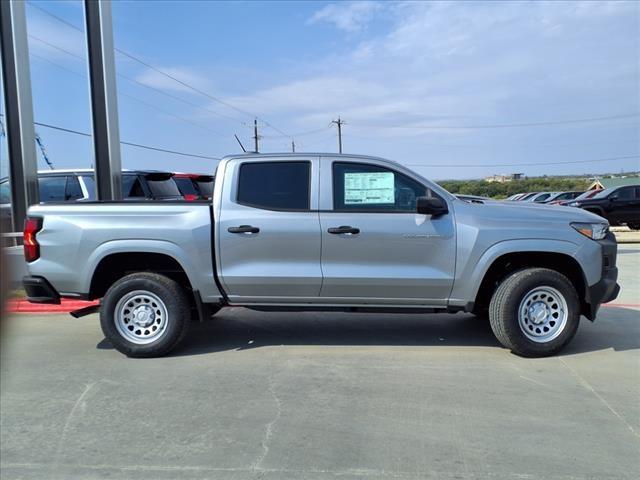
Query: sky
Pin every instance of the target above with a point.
(454, 90)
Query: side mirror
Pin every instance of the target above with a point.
(613, 198)
(431, 206)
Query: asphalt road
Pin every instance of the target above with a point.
(323, 396)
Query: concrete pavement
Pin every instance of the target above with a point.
(323, 396)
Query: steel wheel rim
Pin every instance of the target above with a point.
(141, 317)
(543, 314)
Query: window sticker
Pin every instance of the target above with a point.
(369, 187)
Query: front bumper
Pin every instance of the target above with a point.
(39, 290)
(607, 289)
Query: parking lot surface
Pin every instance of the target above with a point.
(324, 395)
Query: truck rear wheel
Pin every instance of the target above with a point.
(535, 312)
(145, 315)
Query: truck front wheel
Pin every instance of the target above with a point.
(535, 312)
(145, 314)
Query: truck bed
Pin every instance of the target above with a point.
(90, 231)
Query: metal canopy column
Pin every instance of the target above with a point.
(104, 108)
(20, 131)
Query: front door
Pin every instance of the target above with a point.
(624, 205)
(268, 231)
(375, 248)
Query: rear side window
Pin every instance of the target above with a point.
(206, 188)
(131, 187)
(166, 188)
(73, 191)
(52, 189)
(5, 192)
(90, 185)
(275, 185)
(186, 186)
(359, 187)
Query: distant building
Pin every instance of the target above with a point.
(503, 178)
(608, 182)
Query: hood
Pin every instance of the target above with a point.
(523, 212)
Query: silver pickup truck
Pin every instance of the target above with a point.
(322, 232)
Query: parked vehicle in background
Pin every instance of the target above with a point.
(514, 197)
(585, 195)
(540, 197)
(560, 197)
(474, 198)
(78, 185)
(527, 196)
(322, 232)
(619, 205)
(194, 186)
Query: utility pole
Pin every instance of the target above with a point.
(339, 123)
(293, 146)
(255, 134)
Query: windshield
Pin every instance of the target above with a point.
(604, 193)
(587, 194)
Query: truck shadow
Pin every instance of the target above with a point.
(241, 329)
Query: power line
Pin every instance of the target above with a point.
(300, 134)
(168, 75)
(505, 125)
(138, 82)
(522, 164)
(124, 94)
(130, 144)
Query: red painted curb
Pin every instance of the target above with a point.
(622, 305)
(23, 306)
(66, 305)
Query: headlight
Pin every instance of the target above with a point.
(595, 231)
(574, 204)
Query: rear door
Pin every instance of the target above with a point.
(375, 248)
(268, 231)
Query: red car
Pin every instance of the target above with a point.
(194, 186)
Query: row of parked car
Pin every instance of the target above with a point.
(79, 185)
(619, 205)
(552, 198)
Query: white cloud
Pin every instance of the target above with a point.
(347, 16)
(457, 63)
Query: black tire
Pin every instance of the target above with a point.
(504, 311)
(175, 307)
(633, 226)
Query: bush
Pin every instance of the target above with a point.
(503, 190)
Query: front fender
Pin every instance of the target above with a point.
(470, 274)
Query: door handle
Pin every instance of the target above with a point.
(344, 229)
(243, 229)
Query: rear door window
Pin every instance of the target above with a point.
(275, 185)
(627, 193)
